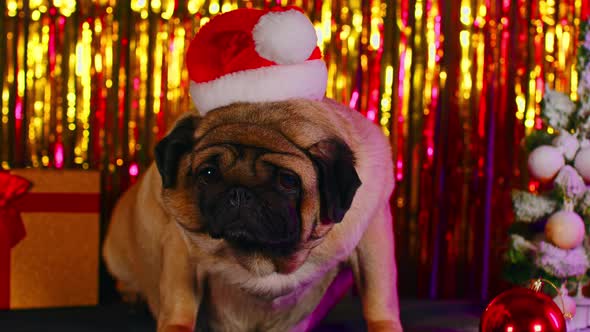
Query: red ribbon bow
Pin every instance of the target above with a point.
(12, 229)
(11, 188)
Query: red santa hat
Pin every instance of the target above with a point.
(252, 55)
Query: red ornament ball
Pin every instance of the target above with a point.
(522, 310)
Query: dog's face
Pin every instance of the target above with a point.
(248, 189)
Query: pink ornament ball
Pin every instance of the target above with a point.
(565, 229)
(544, 162)
(566, 304)
(582, 163)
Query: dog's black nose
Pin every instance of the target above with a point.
(240, 197)
(251, 223)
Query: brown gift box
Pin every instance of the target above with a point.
(56, 263)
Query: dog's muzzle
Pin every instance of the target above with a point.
(247, 223)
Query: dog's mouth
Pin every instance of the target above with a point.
(247, 240)
(252, 227)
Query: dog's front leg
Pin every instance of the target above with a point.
(375, 272)
(179, 296)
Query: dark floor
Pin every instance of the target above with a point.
(417, 316)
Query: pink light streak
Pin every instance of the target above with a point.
(399, 166)
(353, 99)
(133, 170)
(18, 110)
(430, 151)
(402, 73)
(59, 155)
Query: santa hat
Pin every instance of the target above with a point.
(252, 55)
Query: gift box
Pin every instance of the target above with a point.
(49, 238)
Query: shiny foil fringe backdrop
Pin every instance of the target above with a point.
(454, 84)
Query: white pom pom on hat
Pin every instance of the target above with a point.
(284, 37)
(252, 55)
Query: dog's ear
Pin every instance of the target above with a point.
(338, 180)
(170, 149)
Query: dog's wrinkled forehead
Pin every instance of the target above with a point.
(273, 148)
(249, 135)
(285, 119)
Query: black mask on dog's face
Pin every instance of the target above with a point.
(252, 204)
(251, 191)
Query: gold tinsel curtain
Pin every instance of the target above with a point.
(454, 84)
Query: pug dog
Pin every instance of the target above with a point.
(250, 211)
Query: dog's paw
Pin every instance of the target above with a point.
(384, 326)
(176, 328)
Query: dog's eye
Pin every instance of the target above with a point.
(288, 180)
(208, 174)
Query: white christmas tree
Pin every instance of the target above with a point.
(549, 236)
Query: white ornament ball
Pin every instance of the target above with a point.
(568, 306)
(568, 145)
(565, 229)
(582, 163)
(545, 161)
